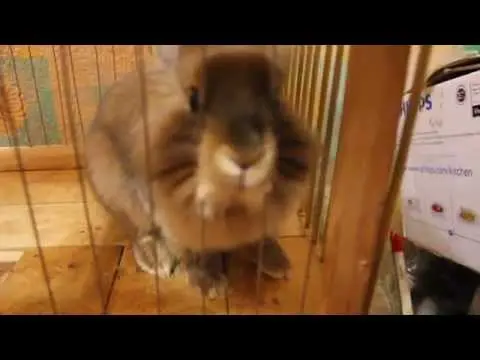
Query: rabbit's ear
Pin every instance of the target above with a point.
(168, 54)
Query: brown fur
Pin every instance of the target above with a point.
(181, 146)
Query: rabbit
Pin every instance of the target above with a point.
(228, 162)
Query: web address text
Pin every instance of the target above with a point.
(442, 170)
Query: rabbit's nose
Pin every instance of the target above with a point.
(249, 158)
(234, 161)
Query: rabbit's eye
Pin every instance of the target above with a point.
(194, 99)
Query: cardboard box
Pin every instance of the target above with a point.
(441, 186)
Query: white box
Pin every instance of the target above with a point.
(441, 186)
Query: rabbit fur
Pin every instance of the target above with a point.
(228, 159)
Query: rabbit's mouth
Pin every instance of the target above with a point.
(248, 175)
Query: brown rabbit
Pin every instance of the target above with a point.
(228, 161)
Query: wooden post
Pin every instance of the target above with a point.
(376, 77)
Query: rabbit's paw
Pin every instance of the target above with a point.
(206, 272)
(164, 261)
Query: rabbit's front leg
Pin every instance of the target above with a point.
(153, 256)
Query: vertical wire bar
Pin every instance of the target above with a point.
(317, 128)
(17, 83)
(261, 244)
(60, 95)
(37, 97)
(318, 72)
(296, 82)
(99, 77)
(75, 92)
(399, 167)
(114, 63)
(318, 210)
(325, 61)
(311, 92)
(291, 62)
(225, 266)
(320, 234)
(303, 82)
(202, 260)
(294, 79)
(311, 73)
(31, 214)
(141, 69)
(260, 252)
(204, 53)
(321, 230)
(273, 52)
(64, 54)
(285, 71)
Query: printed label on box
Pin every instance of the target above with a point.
(441, 185)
